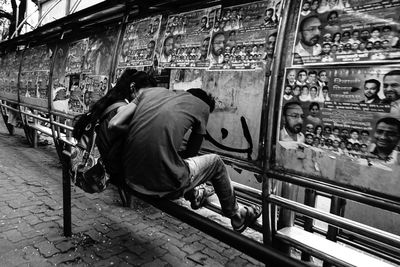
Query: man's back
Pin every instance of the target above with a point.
(162, 118)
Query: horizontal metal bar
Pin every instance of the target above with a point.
(62, 115)
(35, 116)
(8, 100)
(359, 228)
(66, 141)
(248, 246)
(41, 109)
(374, 250)
(66, 153)
(8, 107)
(70, 128)
(350, 194)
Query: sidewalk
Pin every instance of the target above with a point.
(105, 234)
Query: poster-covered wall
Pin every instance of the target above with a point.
(81, 71)
(348, 31)
(234, 126)
(339, 112)
(9, 75)
(34, 78)
(342, 124)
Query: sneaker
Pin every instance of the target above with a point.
(201, 193)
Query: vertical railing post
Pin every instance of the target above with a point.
(309, 200)
(66, 182)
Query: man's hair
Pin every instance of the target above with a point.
(289, 105)
(269, 9)
(387, 27)
(312, 72)
(207, 98)
(300, 71)
(392, 73)
(390, 121)
(301, 27)
(376, 29)
(376, 82)
(364, 131)
(169, 37)
(217, 34)
(353, 131)
(275, 34)
(346, 32)
(313, 104)
(325, 88)
(333, 13)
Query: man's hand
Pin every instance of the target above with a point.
(193, 146)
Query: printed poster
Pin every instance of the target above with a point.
(244, 36)
(76, 56)
(342, 124)
(76, 87)
(9, 75)
(342, 31)
(187, 39)
(35, 71)
(139, 43)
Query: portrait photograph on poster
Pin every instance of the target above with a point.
(342, 124)
(345, 31)
(244, 36)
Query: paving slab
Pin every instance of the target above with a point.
(104, 232)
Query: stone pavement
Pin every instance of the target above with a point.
(105, 233)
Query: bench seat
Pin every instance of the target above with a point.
(321, 247)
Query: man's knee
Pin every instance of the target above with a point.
(218, 163)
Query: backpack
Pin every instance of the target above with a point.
(87, 169)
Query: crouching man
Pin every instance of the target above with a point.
(153, 164)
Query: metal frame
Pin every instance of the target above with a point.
(268, 175)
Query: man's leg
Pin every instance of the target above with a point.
(211, 168)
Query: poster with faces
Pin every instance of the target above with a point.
(244, 36)
(35, 70)
(186, 40)
(139, 43)
(337, 123)
(347, 31)
(76, 56)
(9, 75)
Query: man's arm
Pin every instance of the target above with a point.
(193, 145)
(118, 122)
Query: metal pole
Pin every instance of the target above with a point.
(17, 18)
(66, 197)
